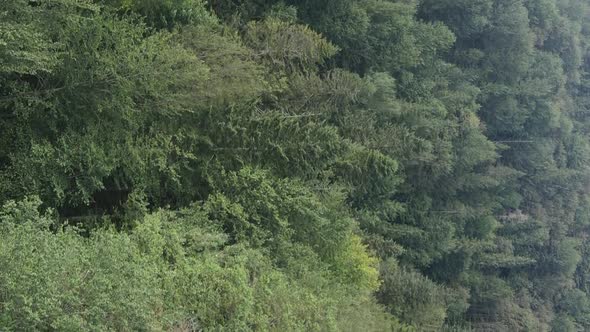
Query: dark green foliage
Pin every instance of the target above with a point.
(296, 165)
(165, 14)
(412, 297)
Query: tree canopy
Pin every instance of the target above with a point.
(295, 165)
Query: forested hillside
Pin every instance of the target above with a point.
(295, 165)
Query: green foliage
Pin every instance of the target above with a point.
(294, 165)
(166, 14)
(412, 297)
(283, 46)
(175, 270)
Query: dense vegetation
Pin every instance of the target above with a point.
(295, 165)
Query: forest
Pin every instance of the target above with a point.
(295, 165)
